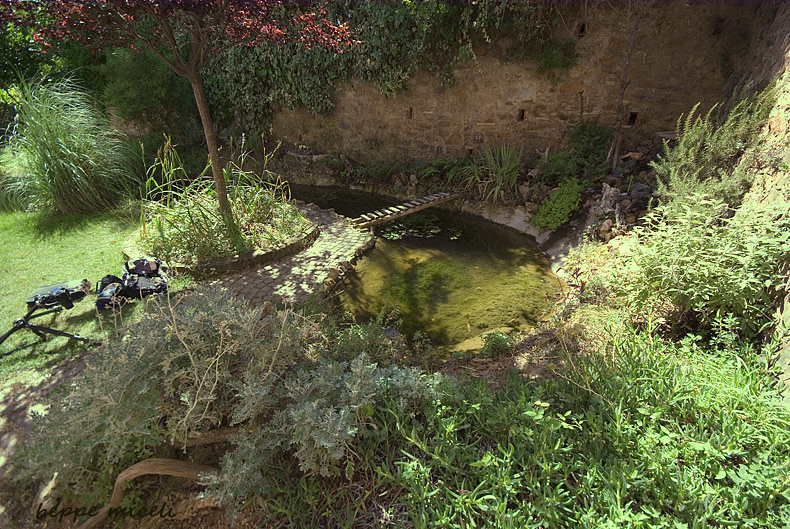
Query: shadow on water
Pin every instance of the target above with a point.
(451, 276)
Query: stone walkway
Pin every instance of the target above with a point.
(292, 279)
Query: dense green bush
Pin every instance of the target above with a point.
(62, 154)
(589, 145)
(584, 158)
(557, 209)
(140, 88)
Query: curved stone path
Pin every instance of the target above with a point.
(292, 279)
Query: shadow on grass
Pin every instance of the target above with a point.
(48, 224)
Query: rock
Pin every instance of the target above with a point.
(630, 219)
(633, 156)
(524, 190)
(625, 204)
(606, 205)
(605, 227)
(606, 237)
(531, 208)
(413, 179)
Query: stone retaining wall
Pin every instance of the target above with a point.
(684, 53)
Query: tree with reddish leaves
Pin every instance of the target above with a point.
(185, 34)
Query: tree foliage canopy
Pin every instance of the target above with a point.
(185, 34)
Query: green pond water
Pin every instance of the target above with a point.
(451, 276)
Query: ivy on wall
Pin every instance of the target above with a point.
(395, 38)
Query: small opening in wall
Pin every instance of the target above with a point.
(718, 27)
(581, 30)
(410, 113)
(522, 115)
(632, 118)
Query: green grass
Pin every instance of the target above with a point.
(40, 249)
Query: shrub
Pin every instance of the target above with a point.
(62, 154)
(585, 157)
(557, 209)
(704, 259)
(705, 160)
(558, 167)
(496, 343)
(329, 415)
(142, 89)
(589, 144)
(172, 374)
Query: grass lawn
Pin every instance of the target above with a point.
(38, 249)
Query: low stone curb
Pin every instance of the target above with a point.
(337, 274)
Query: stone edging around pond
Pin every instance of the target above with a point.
(336, 275)
(289, 247)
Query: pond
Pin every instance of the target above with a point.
(451, 276)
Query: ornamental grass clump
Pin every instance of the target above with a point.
(61, 153)
(494, 174)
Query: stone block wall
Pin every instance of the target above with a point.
(684, 54)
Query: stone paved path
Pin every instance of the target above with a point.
(293, 279)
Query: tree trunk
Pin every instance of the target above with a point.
(162, 467)
(235, 234)
(211, 141)
(614, 150)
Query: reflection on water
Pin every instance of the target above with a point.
(453, 277)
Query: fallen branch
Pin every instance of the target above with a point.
(160, 466)
(218, 435)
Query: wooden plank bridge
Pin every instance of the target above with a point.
(407, 208)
